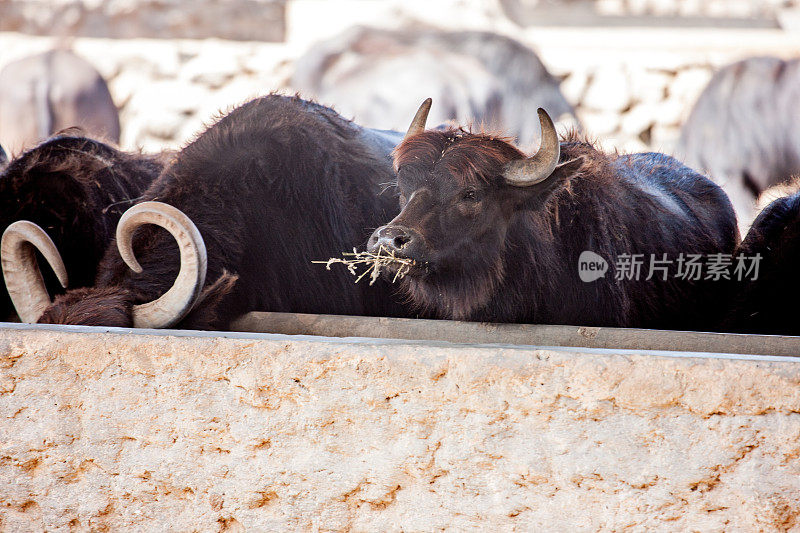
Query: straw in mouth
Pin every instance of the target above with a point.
(374, 261)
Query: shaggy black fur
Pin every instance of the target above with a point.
(273, 185)
(767, 304)
(491, 251)
(76, 189)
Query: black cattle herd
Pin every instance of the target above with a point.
(232, 222)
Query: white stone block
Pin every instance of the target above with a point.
(609, 90)
(152, 431)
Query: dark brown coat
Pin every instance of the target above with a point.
(272, 186)
(490, 251)
(76, 189)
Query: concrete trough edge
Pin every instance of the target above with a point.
(520, 334)
(296, 327)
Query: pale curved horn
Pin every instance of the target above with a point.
(174, 304)
(418, 124)
(532, 170)
(23, 278)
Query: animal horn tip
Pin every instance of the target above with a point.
(421, 117)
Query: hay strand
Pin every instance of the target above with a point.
(373, 261)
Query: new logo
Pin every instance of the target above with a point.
(591, 266)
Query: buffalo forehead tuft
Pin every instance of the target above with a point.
(470, 158)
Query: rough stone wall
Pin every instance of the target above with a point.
(167, 90)
(634, 105)
(164, 19)
(680, 8)
(105, 431)
(708, 8)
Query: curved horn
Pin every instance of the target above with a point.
(418, 124)
(23, 278)
(532, 170)
(173, 305)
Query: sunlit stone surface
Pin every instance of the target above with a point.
(156, 432)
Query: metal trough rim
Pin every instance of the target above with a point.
(343, 326)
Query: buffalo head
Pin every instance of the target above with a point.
(459, 192)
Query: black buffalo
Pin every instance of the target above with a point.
(763, 299)
(49, 92)
(743, 130)
(374, 75)
(75, 189)
(273, 185)
(497, 236)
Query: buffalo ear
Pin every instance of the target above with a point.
(535, 196)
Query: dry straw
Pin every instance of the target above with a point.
(375, 261)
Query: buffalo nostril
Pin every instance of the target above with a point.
(401, 240)
(390, 239)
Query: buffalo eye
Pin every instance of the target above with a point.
(469, 195)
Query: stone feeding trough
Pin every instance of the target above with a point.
(342, 423)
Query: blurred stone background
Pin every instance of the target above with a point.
(632, 68)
